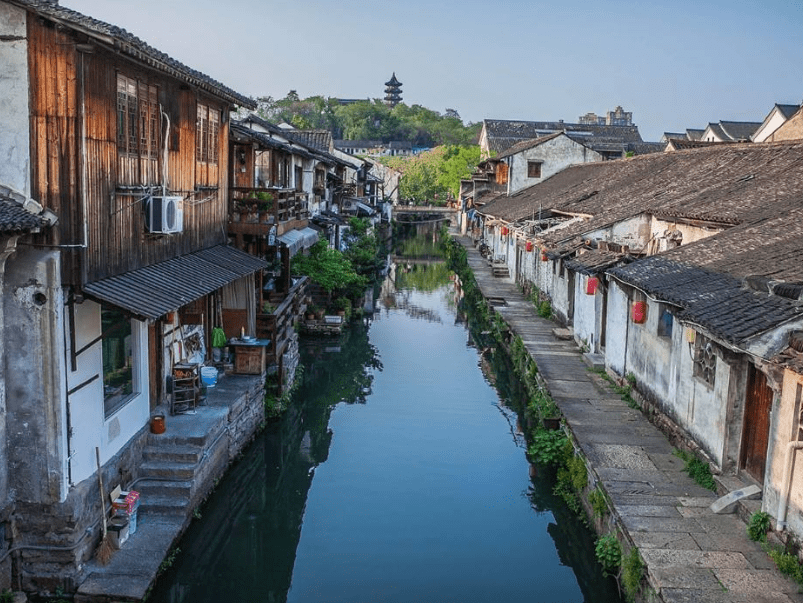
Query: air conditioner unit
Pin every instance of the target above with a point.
(164, 215)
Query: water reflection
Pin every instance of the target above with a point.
(290, 523)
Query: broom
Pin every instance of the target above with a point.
(106, 548)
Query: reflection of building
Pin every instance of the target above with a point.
(393, 91)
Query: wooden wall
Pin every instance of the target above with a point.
(117, 239)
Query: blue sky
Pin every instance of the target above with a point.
(675, 65)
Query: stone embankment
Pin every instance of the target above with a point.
(690, 553)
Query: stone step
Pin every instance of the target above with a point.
(149, 488)
(164, 505)
(173, 470)
(173, 453)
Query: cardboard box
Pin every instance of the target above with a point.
(126, 501)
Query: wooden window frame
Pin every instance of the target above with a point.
(207, 134)
(138, 118)
(534, 169)
(705, 360)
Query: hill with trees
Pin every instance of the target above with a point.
(370, 120)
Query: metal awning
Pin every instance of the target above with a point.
(155, 290)
(299, 238)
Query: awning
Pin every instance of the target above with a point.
(155, 290)
(299, 238)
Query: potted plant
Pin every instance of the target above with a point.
(342, 305)
(218, 342)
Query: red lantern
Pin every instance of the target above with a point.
(639, 312)
(591, 285)
(505, 231)
(528, 246)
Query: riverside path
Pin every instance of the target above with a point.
(690, 553)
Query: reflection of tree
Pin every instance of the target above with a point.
(423, 277)
(251, 524)
(574, 541)
(346, 376)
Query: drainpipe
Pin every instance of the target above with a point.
(783, 503)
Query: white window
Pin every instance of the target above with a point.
(120, 383)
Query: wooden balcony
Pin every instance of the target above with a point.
(254, 211)
(278, 325)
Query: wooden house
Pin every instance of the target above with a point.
(127, 148)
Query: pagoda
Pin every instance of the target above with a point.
(393, 91)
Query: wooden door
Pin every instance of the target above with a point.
(756, 431)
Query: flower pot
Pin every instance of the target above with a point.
(158, 424)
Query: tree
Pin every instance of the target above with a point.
(435, 175)
(362, 249)
(329, 268)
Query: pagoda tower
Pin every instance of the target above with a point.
(393, 91)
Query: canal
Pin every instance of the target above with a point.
(397, 475)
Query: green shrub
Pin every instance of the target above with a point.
(788, 564)
(632, 574)
(758, 526)
(598, 503)
(609, 554)
(547, 447)
(699, 471)
(545, 309)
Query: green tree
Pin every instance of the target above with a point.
(362, 249)
(329, 268)
(435, 175)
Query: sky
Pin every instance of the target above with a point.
(674, 64)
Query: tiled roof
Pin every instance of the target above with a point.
(787, 110)
(292, 146)
(680, 144)
(768, 245)
(718, 302)
(503, 134)
(739, 130)
(121, 41)
(318, 139)
(357, 144)
(694, 133)
(529, 144)
(594, 261)
(16, 219)
(724, 184)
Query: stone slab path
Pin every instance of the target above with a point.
(691, 554)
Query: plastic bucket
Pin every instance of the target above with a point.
(209, 375)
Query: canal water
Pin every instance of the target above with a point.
(398, 475)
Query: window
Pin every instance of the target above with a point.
(534, 169)
(118, 359)
(705, 360)
(207, 131)
(138, 120)
(665, 321)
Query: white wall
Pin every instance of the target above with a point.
(616, 329)
(14, 126)
(585, 312)
(90, 427)
(555, 155)
(767, 129)
(664, 367)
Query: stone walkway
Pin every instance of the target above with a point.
(691, 554)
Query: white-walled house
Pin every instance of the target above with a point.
(533, 161)
(683, 271)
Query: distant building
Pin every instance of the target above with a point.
(393, 91)
(617, 117)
